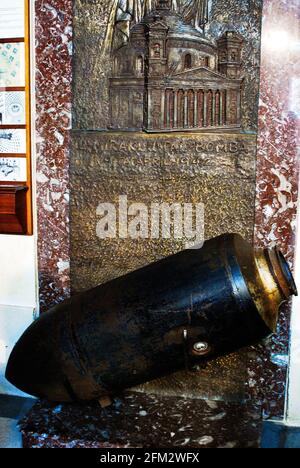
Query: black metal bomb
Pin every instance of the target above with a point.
(190, 307)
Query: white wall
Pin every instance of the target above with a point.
(18, 295)
(18, 265)
(293, 398)
(13, 322)
(18, 271)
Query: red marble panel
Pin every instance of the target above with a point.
(137, 420)
(53, 121)
(277, 177)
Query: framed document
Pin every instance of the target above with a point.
(12, 22)
(15, 123)
(12, 141)
(12, 64)
(13, 170)
(12, 108)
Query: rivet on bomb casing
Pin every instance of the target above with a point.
(201, 348)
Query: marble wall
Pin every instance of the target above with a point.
(53, 76)
(277, 178)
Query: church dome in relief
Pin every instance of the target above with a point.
(177, 27)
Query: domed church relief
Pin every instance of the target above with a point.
(167, 75)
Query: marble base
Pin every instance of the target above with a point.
(138, 420)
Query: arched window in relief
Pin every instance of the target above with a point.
(187, 61)
(116, 65)
(205, 61)
(180, 108)
(156, 50)
(139, 65)
(209, 108)
(191, 108)
(233, 56)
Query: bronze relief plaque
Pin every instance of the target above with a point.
(165, 111)
(167, 76)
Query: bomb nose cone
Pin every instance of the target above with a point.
(20, 370)
(35, 366)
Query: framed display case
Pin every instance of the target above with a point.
(15, 132)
